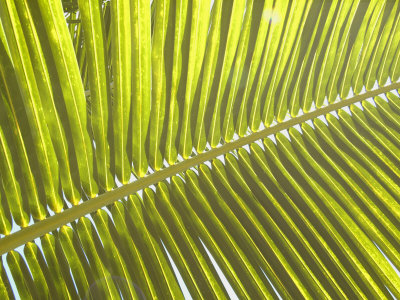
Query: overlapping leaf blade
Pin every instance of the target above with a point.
(111, 91)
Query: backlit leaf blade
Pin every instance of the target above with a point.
(319, 44)
(235, 25)
(243, 45)
(160, 269)
(32, 254)
(297, 9)
(195, 286)
(5, 287)
(388, 56)
(93, 30)
(158, 83)
(19, 271)
(307, 274)
(88, 236)
(378, 59)
(328, 61)
(116, 261)
(198, 29)
(210, 64)
(71, 248)
(72, 87)
(221, 231)
(43, 80)
(141, 83)
(11, 185)
(363, 34)
(282, 97)
(30, 95)
(267, 16)
(277, 17)
(122, 65)
(340, 56)
(178, 190)
(163, 197)
(17, 139)
(369, 41)
(50, 246)
(171, 152)
(144, 281)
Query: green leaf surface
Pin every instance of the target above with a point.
(93, 29)
(141, 83)
(30, 95)
(72, 87)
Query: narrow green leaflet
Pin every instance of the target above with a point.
(22, 277)
(235, 25)
(241, 125)
(33, 256)
(158, 83)
(329, 56)
(390, 59)
(379, 56)
(187, 240)
(237, 73)
(171, 152)
(195, 286)
(299, 229)
(340, 56)
(358, 214)
(71, 249)
(373, 256)
(73, 90)
(178, 191)
(365, 57)
(294, 21)
(53, 120)
(88, 236)
(5, 216)
(272, 154)
(31, 99)
(16, 141)
(222, 232)
(121, 72)
(281, 98)
(4, 41)
(319, 42)
(131, 251)
(366, 167)
(141, 83)
(198, 33)
(10, 183)
(277, 17)
(395, 70)
(210, 64)
(364, 33)
(306, 273)
(54, 263)
(160, 267)
(201, 149)
(5, 287)
(93, 30)
(115, 260)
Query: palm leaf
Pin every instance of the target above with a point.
(170, 149)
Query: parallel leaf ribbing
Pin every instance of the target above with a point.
(101, 100)
(314, 211)
(209, 73)
(71, 214)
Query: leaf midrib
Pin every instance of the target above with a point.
(42, 227)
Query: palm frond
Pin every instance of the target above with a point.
(295, 214)
(123, 134)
